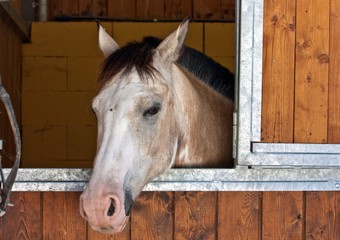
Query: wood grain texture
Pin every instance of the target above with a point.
(93, 8)
(312, 60)
(61, 218)
(177, 9)
(334, 75)
(152, 216)
(195, 215)
(17, 4)
(322, 215)
(198, 215)
(239, 215)
(10, 71)
(23, 220)
(145, 9)
(93, 235)
(150, 9)
(282, 215)
(121, 9)
(208, 10)
(126, 233)
(336, 233)
(278, 71)
(228, 9)
(58, 8)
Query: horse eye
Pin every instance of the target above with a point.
(152, 111)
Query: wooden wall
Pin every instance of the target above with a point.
(301, 74)
(144, 9)
(17, 5)
(10, 71)
(183, 215)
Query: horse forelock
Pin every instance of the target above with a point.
(138, 55)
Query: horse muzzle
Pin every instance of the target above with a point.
(105, 213)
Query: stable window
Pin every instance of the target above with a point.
(259, 165)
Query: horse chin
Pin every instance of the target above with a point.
(112, 229)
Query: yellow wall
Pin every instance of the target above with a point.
(60, 68)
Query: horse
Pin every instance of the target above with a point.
(159, 104)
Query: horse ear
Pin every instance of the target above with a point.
(106, 43)
(171, 46)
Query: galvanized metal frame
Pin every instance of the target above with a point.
(238, 179)
(259, 166)
(250, 26)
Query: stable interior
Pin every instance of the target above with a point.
(59, 72)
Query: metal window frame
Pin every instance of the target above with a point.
(258, 165)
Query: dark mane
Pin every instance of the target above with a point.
(134, 54)
(208, 71)
(139, 55)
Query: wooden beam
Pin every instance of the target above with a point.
(278, 71)
(334, 75)
(8, 12)
(311, 71)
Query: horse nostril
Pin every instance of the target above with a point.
(111, 210)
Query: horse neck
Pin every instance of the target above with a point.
(205, 123)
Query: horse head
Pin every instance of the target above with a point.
(138, 126)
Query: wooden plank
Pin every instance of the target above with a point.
(6, 75)
(61, 216)
(334, 75)
(4, 55)
(322, 215)
(93, 235)
(312, 60)
(239, 215)
(17, 4)
(152, 216)
(228, 9)
(150, 9)
(336, 232)
(195, 215)
(2, 226)
(124, 235)
(93, 8)
(278, 71)
(23, 220)
(11, 89)
(59, 8)
(10, 70)
(177, 9)
(121, 9)
(282, 215)
(207, 10)
(14, 20)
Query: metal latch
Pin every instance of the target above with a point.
(234, 134)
